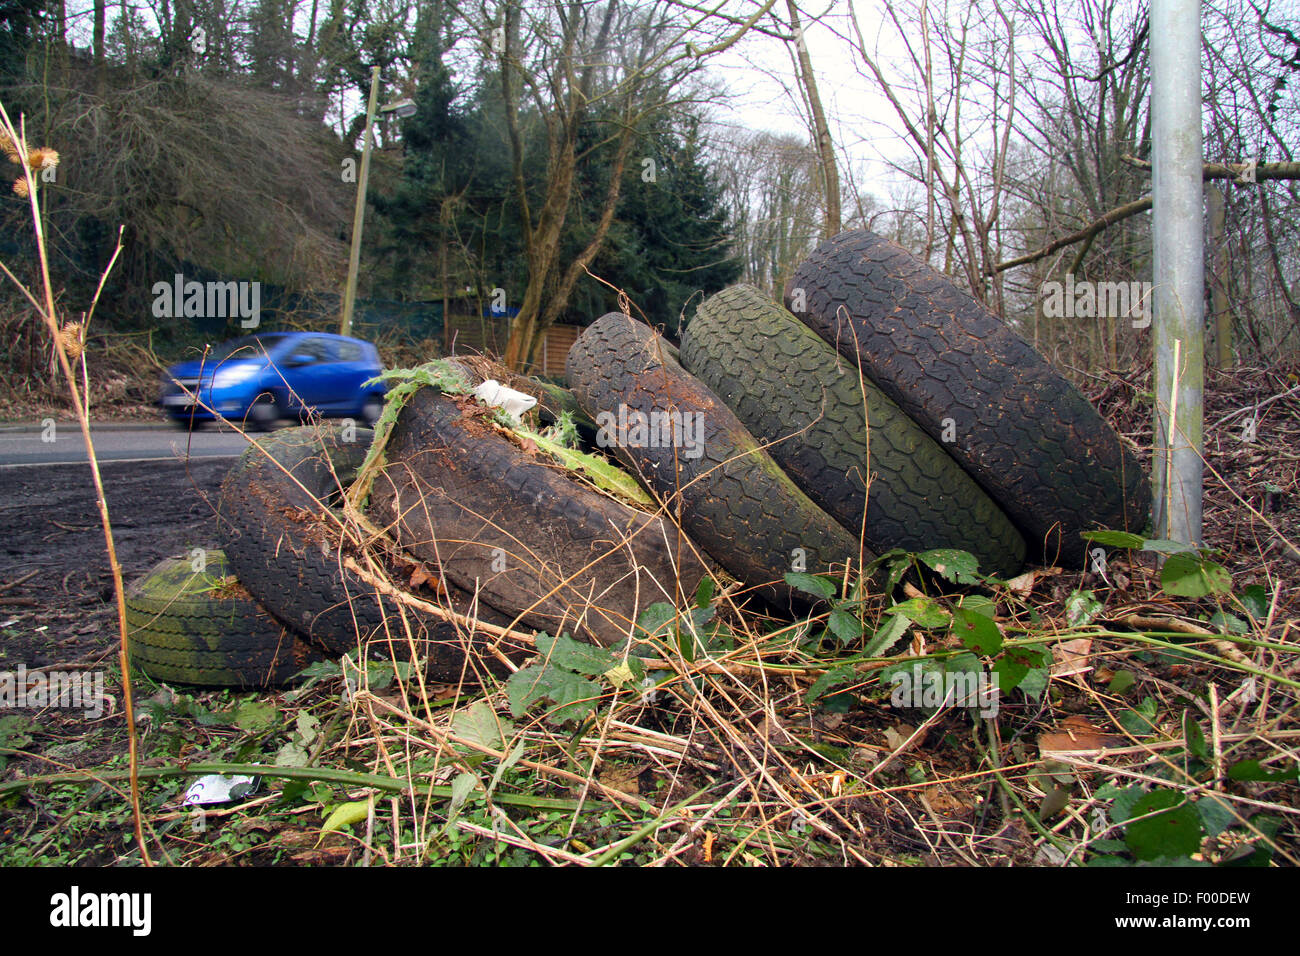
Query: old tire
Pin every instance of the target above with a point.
(733, 499)
(527, 536)
(200, 627)
(285, 550)
(1031, 440)
(795, 392)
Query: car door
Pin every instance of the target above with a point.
(308, 370)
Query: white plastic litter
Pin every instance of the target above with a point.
(214, 788)
(508, 400)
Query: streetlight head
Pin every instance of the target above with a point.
(403, 108)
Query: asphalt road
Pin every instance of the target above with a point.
(63, 444)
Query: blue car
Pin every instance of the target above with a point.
(259, 379)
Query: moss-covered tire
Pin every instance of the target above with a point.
(188, 626)
(524, 533)
(795, 392)
(731, 497)
(288, 553)
(1031, 440)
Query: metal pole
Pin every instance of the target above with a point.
(1178, 238)
(359, 215)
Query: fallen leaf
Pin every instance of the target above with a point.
(1022, 585)
(1072, 657)
(1076, 735)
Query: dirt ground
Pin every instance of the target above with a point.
(49, 524)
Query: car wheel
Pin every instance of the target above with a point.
(264, 414)
(534, 540)
(1029, 437)
(201, 627)
(796, 393)
(289, 553)
(735, 501)
(371, 410)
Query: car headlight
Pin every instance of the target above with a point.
(234, 374)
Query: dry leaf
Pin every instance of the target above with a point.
(1076, 735)
(1072, 657)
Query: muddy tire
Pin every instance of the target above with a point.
(200, 627)
(1031, 440)
(729, 495)
(795, 392)
(530, 538)
(289, 554)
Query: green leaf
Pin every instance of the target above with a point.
(1123, 799)
(1035, 682)
(1255, 599)
(979, 604)
(344, 814)
(977, 632)
(1254, 770)
(462, 785)
(844, 626)
(1165, 546)
(574, 696)
(704, 592)
(1081, 607)
(1141, 720)
(1190, 575)
(960, 567)
(585, 659)
(256, 715)
(1011, 669)
(1229, 623)
(811, 584)
(654, 620)
(1116, 539)
(886, 636)
(478, 724)
(1121, 682)
(835, 677)
(1174, 831)
(922, 611)
(1216, 816)
(1194, 737)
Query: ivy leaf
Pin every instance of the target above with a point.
(1081, 607)
(1190, 575)
(960, 567)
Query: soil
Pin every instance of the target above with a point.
(49, 523)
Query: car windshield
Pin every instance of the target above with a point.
(246, 347)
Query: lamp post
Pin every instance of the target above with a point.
(403, 108)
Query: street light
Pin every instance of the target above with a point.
(402, 108)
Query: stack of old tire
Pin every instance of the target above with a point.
(881, 408)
